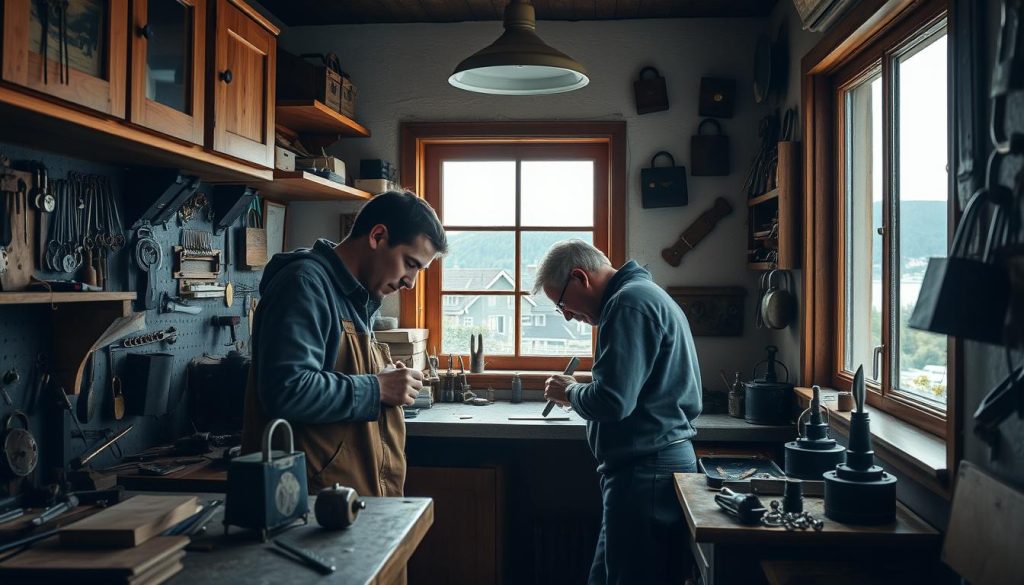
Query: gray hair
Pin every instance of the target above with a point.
(563, 257)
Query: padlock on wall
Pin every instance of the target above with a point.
(709, 153)
(255, 241)
(651, 95)
(663, 186)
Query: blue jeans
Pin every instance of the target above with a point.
(644, 538)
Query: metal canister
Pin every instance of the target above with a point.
(768, 401)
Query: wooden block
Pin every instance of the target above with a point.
(401, 335)
(129, 523)
(48, 562)
(985, 531)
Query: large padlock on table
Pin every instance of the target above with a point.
(709, 153)
(651, 95)
(267, 490)
(663, 186)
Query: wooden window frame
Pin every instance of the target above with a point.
(854, 43)
(416, 138)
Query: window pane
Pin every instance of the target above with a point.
(535, 245)
(558, 192)
(548, 333)
(923, 195)
(863, 211)
(169, 54)
(471, 314)
(86, 28)
(478, 193)
(479, 261)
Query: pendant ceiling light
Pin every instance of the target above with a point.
(519, 63)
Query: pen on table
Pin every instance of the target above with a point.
(569, 369)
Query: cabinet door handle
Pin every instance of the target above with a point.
(226, 76)
(145, 31)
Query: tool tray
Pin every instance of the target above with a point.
(720, 469)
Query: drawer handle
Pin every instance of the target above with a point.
(226, 76)
(145, 31)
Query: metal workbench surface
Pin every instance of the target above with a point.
(492, 422)
(375, 549)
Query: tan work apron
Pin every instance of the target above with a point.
(366, 456)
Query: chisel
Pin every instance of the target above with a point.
(569, 369)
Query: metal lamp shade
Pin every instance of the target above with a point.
(519, 62)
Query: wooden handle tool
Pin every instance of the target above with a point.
(696, 232)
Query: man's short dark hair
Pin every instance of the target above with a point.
(405, 215)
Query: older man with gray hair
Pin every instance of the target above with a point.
(639, 407)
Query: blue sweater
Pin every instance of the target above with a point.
(297, 332)
(646, 380)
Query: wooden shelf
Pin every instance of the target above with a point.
(773, 194)
(760, 265)
(28, 298)
(38, 123)
(314, 117)
(303, 186)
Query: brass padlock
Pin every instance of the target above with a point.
(651, 95)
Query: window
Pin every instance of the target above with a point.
(895, 215)
(880, 207)
(542, 321)
(506, 194)
(467, 321)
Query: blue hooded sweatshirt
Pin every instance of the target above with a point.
(646, 386)
(305, 296)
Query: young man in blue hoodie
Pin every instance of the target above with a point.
(639, 408)
(315, 361)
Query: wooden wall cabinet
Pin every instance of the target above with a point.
(168, 67)
(242, 74)
(773, 218)
(94, 70)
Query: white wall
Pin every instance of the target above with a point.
(401, 73)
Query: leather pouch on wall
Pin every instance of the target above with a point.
(716, 97)
(651, 95)
(147, 382)
(216, 388)
(709, 153)
(255, 241)
(663, 186)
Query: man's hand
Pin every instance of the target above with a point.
(399, 385)
(554, 388)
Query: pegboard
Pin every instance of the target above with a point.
(25, 333)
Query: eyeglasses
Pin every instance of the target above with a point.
(560, 303)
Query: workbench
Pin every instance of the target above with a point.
(729, 552)
(375, 549)
(492, 422)
(716, 433)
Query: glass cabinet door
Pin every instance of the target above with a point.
(167, 66)
(71, 49)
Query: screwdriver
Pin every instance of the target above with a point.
(569, 369)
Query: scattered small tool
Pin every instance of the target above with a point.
(55, 511)
(306, 557)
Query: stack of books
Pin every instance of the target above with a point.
(408, 346)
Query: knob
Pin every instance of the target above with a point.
(146, 31)
(226, 76)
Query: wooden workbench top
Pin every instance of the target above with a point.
(708, 523)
